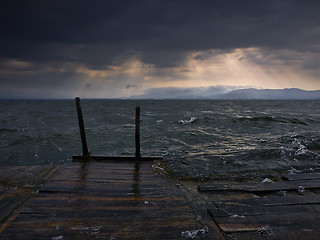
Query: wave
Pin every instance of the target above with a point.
(308, 141)
(269, 119)
(197, 138)
(191, 120)
(3, 130)
(314, 145)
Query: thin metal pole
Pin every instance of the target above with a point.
(137, 134)
(85, 151)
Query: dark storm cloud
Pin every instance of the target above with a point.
(98, 33)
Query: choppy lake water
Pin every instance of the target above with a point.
(197, 138)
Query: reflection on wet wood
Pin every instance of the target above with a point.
(93, 200)
(25, 176)
(18, 184)
(128, 200)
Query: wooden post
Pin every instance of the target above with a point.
(137, 134)
(85, 152)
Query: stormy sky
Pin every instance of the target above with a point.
(110, 49)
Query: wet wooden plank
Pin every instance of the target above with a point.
(101, 173)
(75, 231)
(46, 201)
(239, 227)
(292, 221)
(9, 204)
(114, 158)
(104, 178)
(103, 207)
(72, 186)
(104, 230)
(301, 176)
(275, 233)
(261, 187)
(111, 215)
(18, 185)
(136, 201)
(25, 176)
(250, 210)
(107, 194)
(269, 217)
(275, 224)
(271, 201)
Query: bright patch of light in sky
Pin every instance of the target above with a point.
(250, 67)
(242, 67)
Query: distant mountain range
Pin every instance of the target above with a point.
(222, 92)
(269, 94)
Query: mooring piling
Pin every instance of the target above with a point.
(137, 133)
(85, 151)
(86, 156)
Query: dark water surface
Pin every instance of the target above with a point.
(197, 138)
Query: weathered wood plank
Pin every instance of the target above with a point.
(19, 184)
(103, 230)
(107, 178)
(261, 187)
(106, 194)
(301, 176)
(9, 204)
(275, 233)
(242, 211)
(113, 206)
(79, 214)
(115, 158)
(26, 176)
(56, 198)
(272, 201)
(75, 231)
(293, 221)
(274, 216)
(105, 185)
(82, 201)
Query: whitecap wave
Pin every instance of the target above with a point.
(191, 120)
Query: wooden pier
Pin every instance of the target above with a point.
(134, 200)
(109, 200)
(287, 208)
